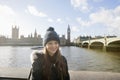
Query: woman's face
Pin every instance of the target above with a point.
(52, 47)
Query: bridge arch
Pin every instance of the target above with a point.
(97, 45)
(114, 46)
(117, 42)
(113, 41)
(85, 45)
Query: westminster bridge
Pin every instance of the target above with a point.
(106, 44)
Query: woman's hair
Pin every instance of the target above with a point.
(60, 64)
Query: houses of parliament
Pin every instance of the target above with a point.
(32, 39)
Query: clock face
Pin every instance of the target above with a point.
(68, 30)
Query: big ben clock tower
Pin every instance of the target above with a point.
(68, 35)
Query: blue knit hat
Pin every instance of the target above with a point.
(50, 35)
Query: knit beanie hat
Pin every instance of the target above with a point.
(50, 35)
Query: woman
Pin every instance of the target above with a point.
(49, 64)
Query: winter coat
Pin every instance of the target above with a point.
(37, 68)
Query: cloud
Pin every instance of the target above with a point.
(103, 16)
(50, 20)
(117, 11)
(82, 5)
(32, 10)
(110, 17)
(74, 29)
(59, 20)
(83, 23)
(67, 18)
(97, 0)
(6, 11)
(7, 18)
(107, 17)
(7, 15)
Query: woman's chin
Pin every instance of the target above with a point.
(52, 52)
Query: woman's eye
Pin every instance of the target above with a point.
(50, 43)
(56, 42)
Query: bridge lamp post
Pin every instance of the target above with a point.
(105, 44)
(89, 43)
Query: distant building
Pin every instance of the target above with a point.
(68, 35)
(31, 40)
(35, 34)
(80, 39)
(62, 40)
(34, 40)
(83, 38)
(15, 32)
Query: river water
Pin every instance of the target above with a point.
(79, 59)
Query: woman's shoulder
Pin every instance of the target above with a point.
(64, 58)
(35, 55)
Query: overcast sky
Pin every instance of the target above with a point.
(85, 17)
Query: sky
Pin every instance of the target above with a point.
(85, 17)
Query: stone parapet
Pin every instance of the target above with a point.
(74, 75)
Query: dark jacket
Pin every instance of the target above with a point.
(37, 68)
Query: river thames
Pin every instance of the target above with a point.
(79, 59)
